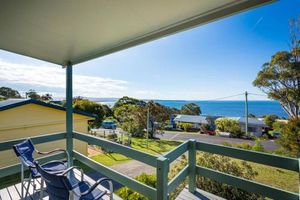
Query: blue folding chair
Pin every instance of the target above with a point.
(24, 151)
(64, 185)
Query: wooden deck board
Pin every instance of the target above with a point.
(199, 195)
(13, 192)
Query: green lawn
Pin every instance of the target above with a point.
(110, 159)
(280, 178)
(155, 147)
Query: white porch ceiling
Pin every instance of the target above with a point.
(61, 31)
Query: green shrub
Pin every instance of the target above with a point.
(258, 146)
(227, 165)
(270, 119)
(278, 126)
(290, 137)
(185, 126)
(128, 194)
(245, 145)
(229, 125)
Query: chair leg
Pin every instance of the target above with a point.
(42, 189)
(111, 190)
(22, 181)
(27, 189)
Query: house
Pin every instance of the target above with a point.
(196, 120)
(255, 126)
(22, 118)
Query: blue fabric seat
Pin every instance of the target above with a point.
(60, 186)
(25, 151)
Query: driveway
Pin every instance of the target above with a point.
(269, 145)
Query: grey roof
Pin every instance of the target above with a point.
(251, 121)
(12, 103)
(76, 31)
(191, 119)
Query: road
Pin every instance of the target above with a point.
(269, 145)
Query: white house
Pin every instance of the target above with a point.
(196, 120)
(255, 126)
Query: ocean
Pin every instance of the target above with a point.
(224, 108)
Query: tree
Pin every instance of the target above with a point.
(88, 106)
(32, 94)
(229, 125)
(280, 78)
(128, 100)
(46, 97)
(9, 92)
(290, 137)
(190, 109)
(270, 119)
(185, 126)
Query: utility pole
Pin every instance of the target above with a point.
(148, 116)
(246, 112)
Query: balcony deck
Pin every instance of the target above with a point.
(13, 192)
(198, 195)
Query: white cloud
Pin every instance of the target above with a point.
(52, 79)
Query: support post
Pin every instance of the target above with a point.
(69, 115)
(246, 112)
(192, 165)
(162, 170)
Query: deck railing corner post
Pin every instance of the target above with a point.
(192, 165)
(69, 112)
(162, 170)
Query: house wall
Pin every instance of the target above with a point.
(256, 130)
(32, 120)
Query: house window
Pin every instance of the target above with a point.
(251, 129)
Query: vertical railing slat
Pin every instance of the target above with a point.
(192, 166)
(162, 170)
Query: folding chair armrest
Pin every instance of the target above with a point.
(49, 152)
(53, 151)
(100, 181)
(71, 169)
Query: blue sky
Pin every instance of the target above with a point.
(215, 60)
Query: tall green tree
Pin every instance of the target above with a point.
(190, 109)
(9, 92)
(270, 119)
(280, 77)
(290, 137)
(32, 94)
(90, 107)
(46, 97)
(128, 100)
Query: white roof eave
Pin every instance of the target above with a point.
(77, 31)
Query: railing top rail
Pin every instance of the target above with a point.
(8, 145)
(133, 153)
(252, 156)
(121, 178)
(178, 151)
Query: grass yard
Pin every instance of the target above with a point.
(155, 147)
(110, 159)
(280, 178)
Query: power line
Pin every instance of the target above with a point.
(225, 97)
(258, 94)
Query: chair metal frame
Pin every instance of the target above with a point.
(31, 179)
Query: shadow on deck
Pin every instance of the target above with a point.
(198, 195)
(13, 192)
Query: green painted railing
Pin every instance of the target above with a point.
(162, 165)
(8, 145)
